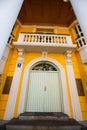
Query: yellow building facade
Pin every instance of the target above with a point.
(20, 64)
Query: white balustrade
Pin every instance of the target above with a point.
(44, 43)
(44, 38)
(81, 42)
(82, 48)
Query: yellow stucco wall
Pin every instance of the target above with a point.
(79, 70)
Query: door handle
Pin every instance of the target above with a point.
(44, 88)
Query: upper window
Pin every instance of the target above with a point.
(78, 31)
(79, 36)
(44, 67)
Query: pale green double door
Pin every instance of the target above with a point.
(44, 92)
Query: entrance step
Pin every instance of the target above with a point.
(43, 116)
(43, 121)
(17, 124)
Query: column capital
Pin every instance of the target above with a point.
(68, 55)
(20, 56)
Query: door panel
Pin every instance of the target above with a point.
(44, 92)
(35, 94)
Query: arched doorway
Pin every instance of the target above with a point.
(44, 93)
(25, 84)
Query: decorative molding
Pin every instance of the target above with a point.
(44, 27)
(68, 55)
(34, 29)
(20, 56)
(44, 54)
(65, 0)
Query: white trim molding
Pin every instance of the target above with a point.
(23, 96)
(9, 113)
(73, 88)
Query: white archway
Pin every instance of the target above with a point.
(23, 96)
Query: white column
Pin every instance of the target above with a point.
(73, 88)
(80, 10)
(8, 14)
(14, 87)
(4, 58)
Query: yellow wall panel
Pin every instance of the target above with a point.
(84, 115)
(63, 31)
(77, 75)
(11, 73)
(3, 102)
(3, 105)
(84, 107)
(4, 97)
(26, 29)
(83, 99)
(1, 114)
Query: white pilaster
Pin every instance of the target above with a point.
(14, 87)
(73, 88)
(80, 10)
(8, 14)
(4, 58)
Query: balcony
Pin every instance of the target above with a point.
(82, 48)
(44, 43)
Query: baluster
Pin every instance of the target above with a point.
(42, 38)
(54, 39)
(29, 38)
(45, 38)
(51, 39)
(32, 38)
(24, 38)
(80, 43)
(48, 39)
(84, 42)
(38, 38)
(35, 38)
(65, 41)
(59, 39)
